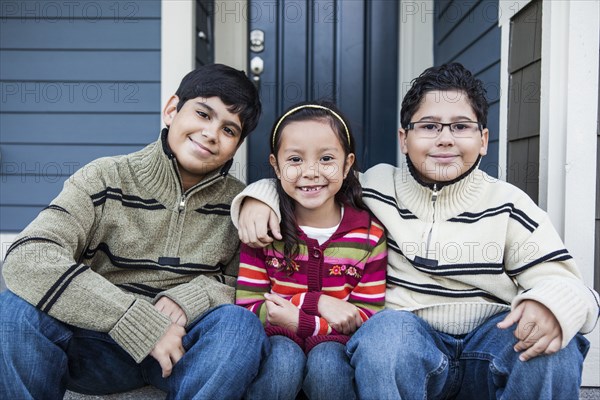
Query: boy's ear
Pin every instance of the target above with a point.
(349, 162)
(402, 139)
(273, 162)
(485, 134)
(170, 110)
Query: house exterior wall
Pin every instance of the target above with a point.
(468, 32)
(78, 80)
(568, 130)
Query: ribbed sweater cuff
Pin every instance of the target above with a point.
(191, 298)
(311, 303)
(306, 325)
(566, 301)
(139, 329)
(263, 190)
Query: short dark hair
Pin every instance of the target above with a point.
(452, 76)
(233, 88)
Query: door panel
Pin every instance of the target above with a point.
(344, 51)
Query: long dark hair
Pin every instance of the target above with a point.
(350, 193)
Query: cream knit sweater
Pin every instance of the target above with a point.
(460, 253)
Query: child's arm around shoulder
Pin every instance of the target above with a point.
(255, 212)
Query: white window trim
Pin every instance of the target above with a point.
(231, 48)
(177, 51)
(569, 98)
(415, 48)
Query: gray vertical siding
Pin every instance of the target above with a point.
(525, 60)
(78, 80)
(468, 32)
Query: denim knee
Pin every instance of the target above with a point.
(20, 320)
(281, 372)
(389, 333)
(329, 374)
(32, 348)
(233, 316)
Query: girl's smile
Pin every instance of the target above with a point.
(311, 165)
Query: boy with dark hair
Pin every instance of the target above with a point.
(126, 278)
(485, 301)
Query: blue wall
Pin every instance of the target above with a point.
(468, 32)
(78, 80)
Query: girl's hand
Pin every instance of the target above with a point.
(255, 221)
(341, 315)
(538, 330)
(281, 312)
(172, 310)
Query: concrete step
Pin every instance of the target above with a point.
(150, 393)
(145, 393)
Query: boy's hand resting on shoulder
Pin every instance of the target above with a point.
(255, 221)
(342, 316)
(281, 312)
(538, 329)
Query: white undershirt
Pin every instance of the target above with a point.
(321, 235)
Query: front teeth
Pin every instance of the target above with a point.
(310, 189)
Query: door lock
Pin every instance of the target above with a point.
(257, 41)
(257, 65)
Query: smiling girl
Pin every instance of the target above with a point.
(326, 276)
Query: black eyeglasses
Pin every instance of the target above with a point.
(431, 130)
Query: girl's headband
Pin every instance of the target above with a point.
(293, 110)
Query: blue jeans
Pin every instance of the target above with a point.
(41, 357)
(324, 374)
(397, 355)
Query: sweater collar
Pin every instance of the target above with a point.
(449, 199)
(157, 170)
(439, 185)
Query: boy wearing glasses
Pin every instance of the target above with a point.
(483, 299)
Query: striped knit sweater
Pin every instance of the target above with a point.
(462, 252)
(120, 235)
(349, 266)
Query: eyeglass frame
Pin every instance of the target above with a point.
(411, 126)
